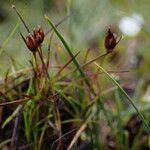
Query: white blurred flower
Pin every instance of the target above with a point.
(131, 25)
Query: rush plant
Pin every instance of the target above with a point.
(67, 108)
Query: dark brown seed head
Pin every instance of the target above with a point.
(39, 35)
(110, 41)
(34, 40)
(31, 43)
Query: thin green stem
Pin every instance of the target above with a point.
(96, 58)
(19, 15)
(43, 63)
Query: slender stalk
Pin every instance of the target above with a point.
(35, 59)
(43, 64)
(14, 7)
(36, 64)
(96, 58)
(69, 20)
(49, 51)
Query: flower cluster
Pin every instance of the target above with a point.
(110, 41)
(34, 40)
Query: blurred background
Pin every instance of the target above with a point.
(84, 29)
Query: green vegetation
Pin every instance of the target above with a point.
(71, 88)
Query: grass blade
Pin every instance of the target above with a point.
(3, 143)
(128, 97)
(69, 50)
(11, 117)
(8, 38)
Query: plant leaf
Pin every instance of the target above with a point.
(11, 117)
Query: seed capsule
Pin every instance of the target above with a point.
(110, 41)
(39, 35)
(34, 40)
(31, 43)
